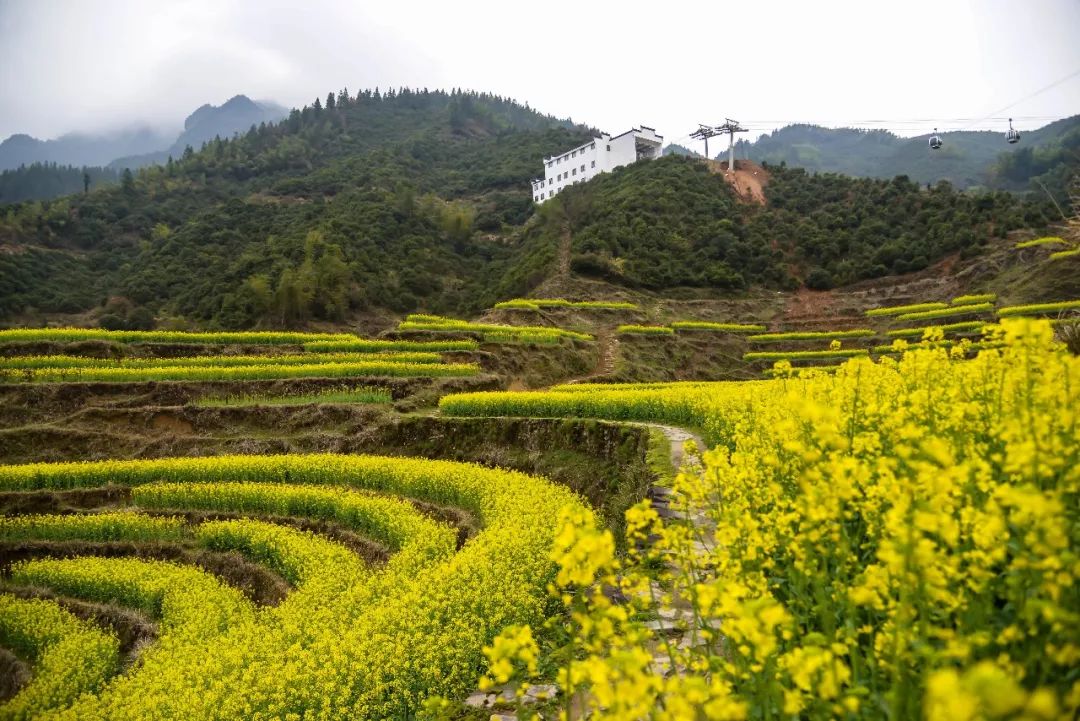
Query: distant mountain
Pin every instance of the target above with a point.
(236, 115)
(674, 149)
(967, 159)
(139, 146)
(80, 148)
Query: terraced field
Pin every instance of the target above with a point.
(334, 527)
(376, 633)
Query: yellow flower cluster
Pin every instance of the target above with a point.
(69, 657)
(898, 539)
(375, 645)
(191, 603)
(119, 526)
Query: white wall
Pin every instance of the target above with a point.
(602, 154)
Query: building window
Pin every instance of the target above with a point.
(536, 197)
(594, 163)
(583, 168)
(592, 146)
(575, 171)
(609, 148)
(573, 154)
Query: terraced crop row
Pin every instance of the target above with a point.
(248, 372)
(362, 394)
(491, 332)
(292, 359)
(968, 299)
(645, 330)
(948, 312)
(903, 309)
(536, 304)
(1036, 242)
(348, 641)
(811, 335)
(966, 345)
(700, 325)
(1036, 309)
(389, 346)
(64, 335)
(973, 326)
(805, 354)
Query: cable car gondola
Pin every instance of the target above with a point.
(935, 141)
(1012, 136)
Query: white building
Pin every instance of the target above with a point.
(599, 155)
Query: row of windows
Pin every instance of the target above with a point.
(551, 194)
(568, 173)
(572, 154)
(560, 177)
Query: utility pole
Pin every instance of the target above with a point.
(730, 127)
(704, 132)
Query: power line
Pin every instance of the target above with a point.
(1040, 91)
(907, 124)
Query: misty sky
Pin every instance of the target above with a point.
(95, 64)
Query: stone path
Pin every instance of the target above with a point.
(669, 626)
(674, 625)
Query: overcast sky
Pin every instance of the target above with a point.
(95, 64)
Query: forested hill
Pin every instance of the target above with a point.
(420, 200)
(967, 158)
(673, 223)
(378, 200)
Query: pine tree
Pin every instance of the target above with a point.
(127, 182)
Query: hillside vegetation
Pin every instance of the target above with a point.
(419, 200)
(967, 159)
(673, 223)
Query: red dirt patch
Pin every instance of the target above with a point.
(748, 180)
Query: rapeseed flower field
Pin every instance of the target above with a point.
(895, 540)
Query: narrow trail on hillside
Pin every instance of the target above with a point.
(607, 344)
(564, 249)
